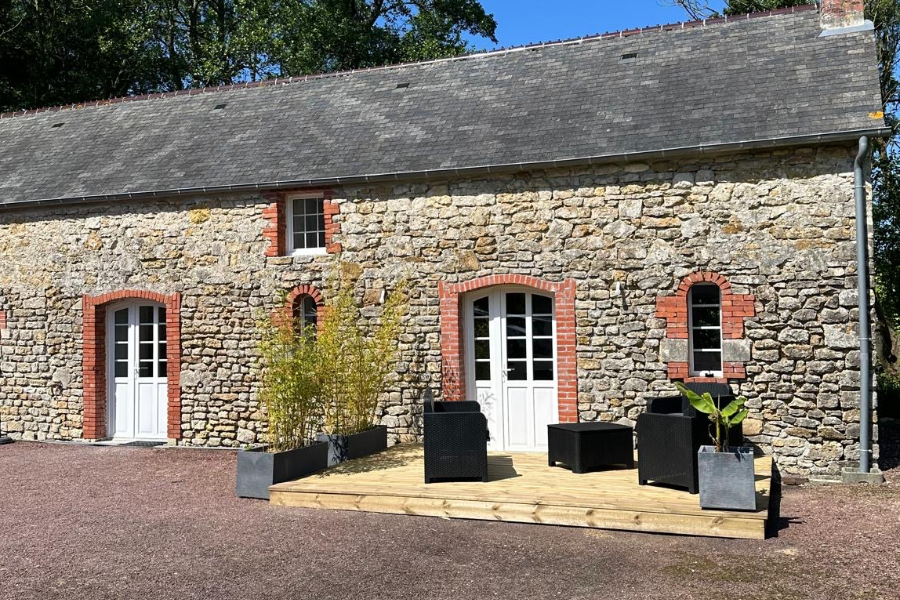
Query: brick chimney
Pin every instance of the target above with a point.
(842, 13)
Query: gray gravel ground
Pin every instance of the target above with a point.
(103, 522)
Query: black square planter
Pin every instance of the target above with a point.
(257, 470)
(342, 448)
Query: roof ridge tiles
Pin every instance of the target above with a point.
(701, 23)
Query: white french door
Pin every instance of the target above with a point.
(136, 371)
(511, 365)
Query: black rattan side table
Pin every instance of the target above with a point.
(585, 446)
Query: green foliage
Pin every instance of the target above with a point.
(68, 51)
(332, 377)
(723, 418)
(290, 389)
(357, 358)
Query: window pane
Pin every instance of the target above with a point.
(162, 314)
(515, 304)
(515, 349)
(145, 351)
(321, 239)
(121, 333)
(312, 223)
(145, 333)
(705, 294)
(121, 369)
(162, 368)
(707, 361)
(543, 370)
(517, 370)
(542, 348)
(122, 317)
(161, 332)
(145, 369)
(299, 224)
(705, 317)
(299, 240)
(542, 326)
(483, 371)
(314, 205)
(482, 349)
(707, 338)
(515, 326)
(541, 305)
(482, 328)
(161, 351)
(312, 239)
(121, 351)
(146, 314)
(482, 306)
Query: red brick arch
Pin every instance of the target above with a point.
(735, 308)
(453, 365)
(297, 293)
(94, 358)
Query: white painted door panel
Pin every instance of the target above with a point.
(511, 364)
(136, 367)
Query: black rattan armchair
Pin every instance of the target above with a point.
(671, 432)
(456, 440)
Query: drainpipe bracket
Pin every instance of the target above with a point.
(852, 476)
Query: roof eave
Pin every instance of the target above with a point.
(434, 174)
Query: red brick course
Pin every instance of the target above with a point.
(276, 215)
(453, 363)
(735, 308)
(2, 319)
(94, 358)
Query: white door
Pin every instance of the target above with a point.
(138, 391)
(511, 365)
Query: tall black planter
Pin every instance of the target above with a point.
(257, 470)
(342, 448)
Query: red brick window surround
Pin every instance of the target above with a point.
(2, 319)
(276, 231)
(94, 359)
(735, 308)
(452, 339)
(293, 307)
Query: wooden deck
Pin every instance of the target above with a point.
(523, 489)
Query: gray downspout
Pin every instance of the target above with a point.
(865, 331)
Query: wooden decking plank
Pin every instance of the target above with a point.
(523, 488)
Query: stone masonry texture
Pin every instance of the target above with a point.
(778, 226)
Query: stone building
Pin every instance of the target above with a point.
(580, 223)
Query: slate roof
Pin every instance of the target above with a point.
(744, 82)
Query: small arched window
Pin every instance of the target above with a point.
(305, 313)
(705, 328)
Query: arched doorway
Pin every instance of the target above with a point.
(510, 352)
(137, 371)
(132, 364)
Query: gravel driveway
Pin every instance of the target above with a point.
(102, 522)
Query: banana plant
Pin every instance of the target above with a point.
(723, 418)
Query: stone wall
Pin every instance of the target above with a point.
(776, 225)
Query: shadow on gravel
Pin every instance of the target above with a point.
(777, 522)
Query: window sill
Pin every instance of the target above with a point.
(309, 252)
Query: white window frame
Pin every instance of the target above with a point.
(690, 306)
(289, 234)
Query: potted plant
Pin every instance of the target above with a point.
(356, 362)
(290, 395)
(727, 479)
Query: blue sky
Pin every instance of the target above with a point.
(524, 21)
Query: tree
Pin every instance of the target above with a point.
(66, 51)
